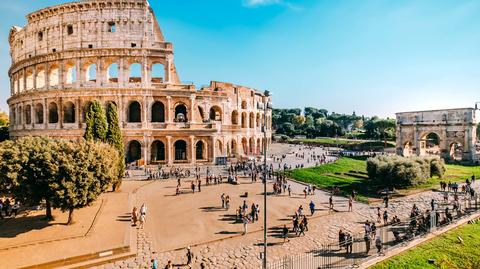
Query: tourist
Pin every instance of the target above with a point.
(341, 239)
(193, 187)
(373, 229)
(367, 243)
(350, 204)
(189, 256)
(284, 233)
(385, 217)
(253, 212)
(305, 192)
(312, 207)
(15, 208)
(134, 216)
(142, 220)
(349, 243)
(330, 203)
(385, 200)
(378, 243)
(143, 209)
(154, 263)
(289, 190)
(169, 265)
(379, 215)
(227, 202)
(305, 223)
(245, 223)
(222, 197)
(199, 183)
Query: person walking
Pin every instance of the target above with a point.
(330, 203)
(245, 225)
(385, 217)
(312, 207)
(142, 220)
(367, 243)
(134, 216)
(350, 204)
(289, 190)
(169, 265)
(189, 255)
(284, 233)
(143, 209)
(378, 244)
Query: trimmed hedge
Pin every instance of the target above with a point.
(399, 171)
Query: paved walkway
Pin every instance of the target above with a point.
(244, 251)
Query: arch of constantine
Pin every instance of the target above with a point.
(450, 133)
(114, 51)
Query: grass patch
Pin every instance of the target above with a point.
(351, 144)
(447, 251)
(350, 174)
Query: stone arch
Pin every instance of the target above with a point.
(408, 149)
(200, 150)
(456, 151)
(52, 113)
(157, 151)
(135, 73)
(430, 144)
(134, 151)
(251, 144)
(158, 112)
(215, 113)
(68, 112)
(158, 73)
(19, 115)
(258, 120)
(39, 113)
(40, 78)
(181, 112)
(245, 145)
(91, 73)
(252, 120)
(234, 117)
(112, 73)
(28, 114)
(85, 109)
(218, 148)
(200, 113)
(180, 149)
(29, 80)
(53, 75)
(233, 147)
(259, 149)
(71, 73)
(244, 119)
(134, 112)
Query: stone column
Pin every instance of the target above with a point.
(121, 72)
(168, 64)
(78, 112)
(34, 75)
(192, 149)
(45, 113)
(416, 141)
(190, 111)
(100, 73)
(32, 114)
(47, 77)
(144, 112)
(80, 77)
(169, 110)
(169, 150)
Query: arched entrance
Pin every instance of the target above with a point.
(134, 112)
(158, 112)
(245, 146)
(233, 148)
(456, 151)
(200, 150)
(180, 150)
(134, 151)
(408, 150)
(157, 151)
(181, 113)
(430, 145)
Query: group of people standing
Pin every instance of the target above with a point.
(139, 215)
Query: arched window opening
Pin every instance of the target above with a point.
(157, 151)
(29, 85)
(252, 120)
(112, 73)
(15, 86)
(200, 112)
(199, 150)
(158, 112)
(251, 145)
(456, 151)
(52, 113)
(13, 117)
(135, 73)
(215, 113)
(134, 112)
(258, 120)
(233, 149)
(244, 104)
(219, 148)
(259, 150)
(158, 73)
(39, 114)
(180, 150)
(53, 76)
(244, 120)
(40, 79)
(134, 151)
(28, 114)
(19, 115)
(235, 117)
(181, 113)
(21, 87)
(245, 146)
(68, 112)
(71, 75)
(91, 74)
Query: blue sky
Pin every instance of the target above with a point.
(374, 57)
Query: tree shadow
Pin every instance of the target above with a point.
(24, 224)
(212, 208)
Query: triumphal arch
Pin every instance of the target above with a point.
(113, 51)
(450, 133)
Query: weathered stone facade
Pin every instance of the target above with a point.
(449, 133)
(114, 51)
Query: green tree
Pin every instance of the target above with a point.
(114, 138)
(4, 122)
(85, 171)
(96, 123)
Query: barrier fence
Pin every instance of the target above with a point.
(352, 251)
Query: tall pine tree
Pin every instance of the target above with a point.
(115, 138)
(96, 123)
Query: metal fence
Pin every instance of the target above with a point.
(360, 247)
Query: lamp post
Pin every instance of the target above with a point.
(266, 106)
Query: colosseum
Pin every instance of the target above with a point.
(114, 51)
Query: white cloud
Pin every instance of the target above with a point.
(255, 3)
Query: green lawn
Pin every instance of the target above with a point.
(446, 250)
(347, 143)
(350, 174)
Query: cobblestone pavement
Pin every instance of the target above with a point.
(244, 251)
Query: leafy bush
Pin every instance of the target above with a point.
(401, 172)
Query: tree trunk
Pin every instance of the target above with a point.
(49, 209)
(70, 217)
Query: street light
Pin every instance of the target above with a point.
(266, 106)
